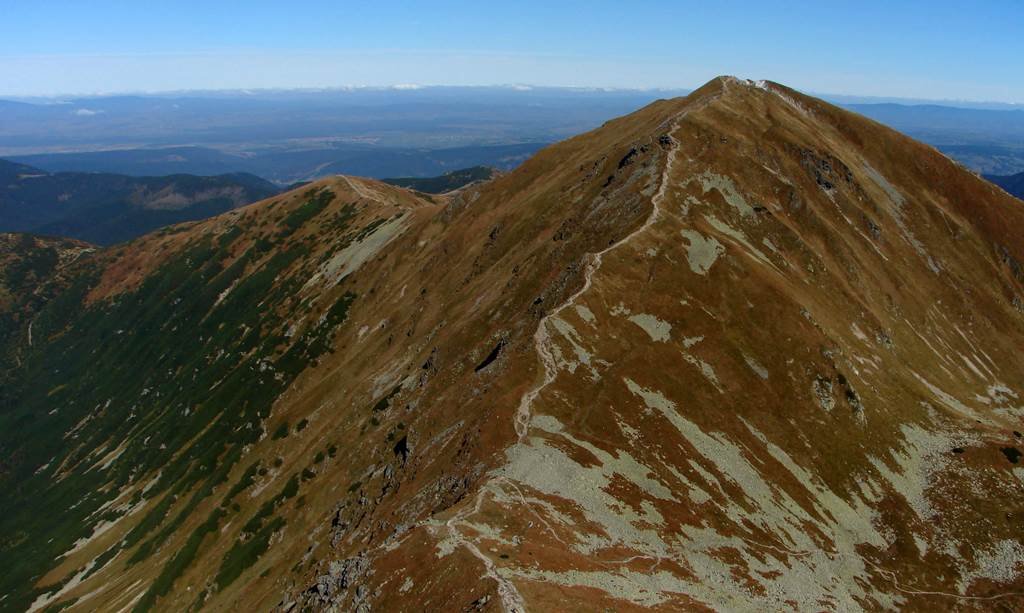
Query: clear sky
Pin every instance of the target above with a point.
(936, 49)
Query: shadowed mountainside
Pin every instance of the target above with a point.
(107, 208)
(445, 183)
(740, 350)
(1013, 184)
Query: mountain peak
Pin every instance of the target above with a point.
(741, 349)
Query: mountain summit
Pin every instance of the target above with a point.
(741, 350)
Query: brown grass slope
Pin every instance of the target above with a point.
(741, 350)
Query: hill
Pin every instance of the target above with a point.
(1013, 184)
(447, 182)
(105, 208)
(740, 350)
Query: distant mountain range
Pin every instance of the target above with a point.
(1013, 184)
(285, 166)
(104, 208)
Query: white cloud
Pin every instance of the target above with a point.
(86, 112)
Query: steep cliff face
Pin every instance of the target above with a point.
(738, 350)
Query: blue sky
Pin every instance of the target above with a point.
(937, 49)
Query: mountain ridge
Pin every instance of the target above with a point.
(717, 353)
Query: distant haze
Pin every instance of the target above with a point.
(294, 135)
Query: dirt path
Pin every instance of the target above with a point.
(511, 600)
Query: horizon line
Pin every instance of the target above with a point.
(60, 98)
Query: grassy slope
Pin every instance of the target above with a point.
(176, 374)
